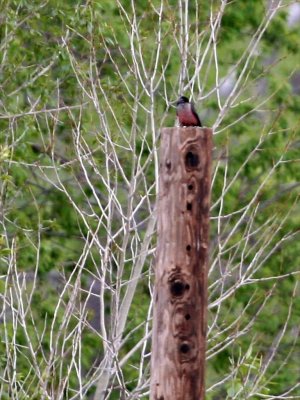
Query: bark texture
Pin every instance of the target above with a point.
(179, 326)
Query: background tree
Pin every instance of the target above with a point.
(85, 88)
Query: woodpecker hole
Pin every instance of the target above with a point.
(187, 287)
(177, 288)
(168, 164)
(187, 317)
(189, 206)
(190, 186)
(188, 247)
(184, 348)
(191, 159)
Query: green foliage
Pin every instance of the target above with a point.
(55, 55)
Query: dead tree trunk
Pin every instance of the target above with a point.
(179, 326)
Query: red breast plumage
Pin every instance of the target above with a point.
(186, 113)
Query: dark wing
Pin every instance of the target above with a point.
(196, 115)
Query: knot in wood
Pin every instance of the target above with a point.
(184, 348)
(190, 186)
(168, 164)
(187, 349)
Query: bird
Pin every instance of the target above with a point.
(186, 113)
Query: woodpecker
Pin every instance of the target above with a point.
(186, 113)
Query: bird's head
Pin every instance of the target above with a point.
(182, 100)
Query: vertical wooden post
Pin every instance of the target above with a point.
(179, 326)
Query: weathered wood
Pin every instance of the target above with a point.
(179, 326)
